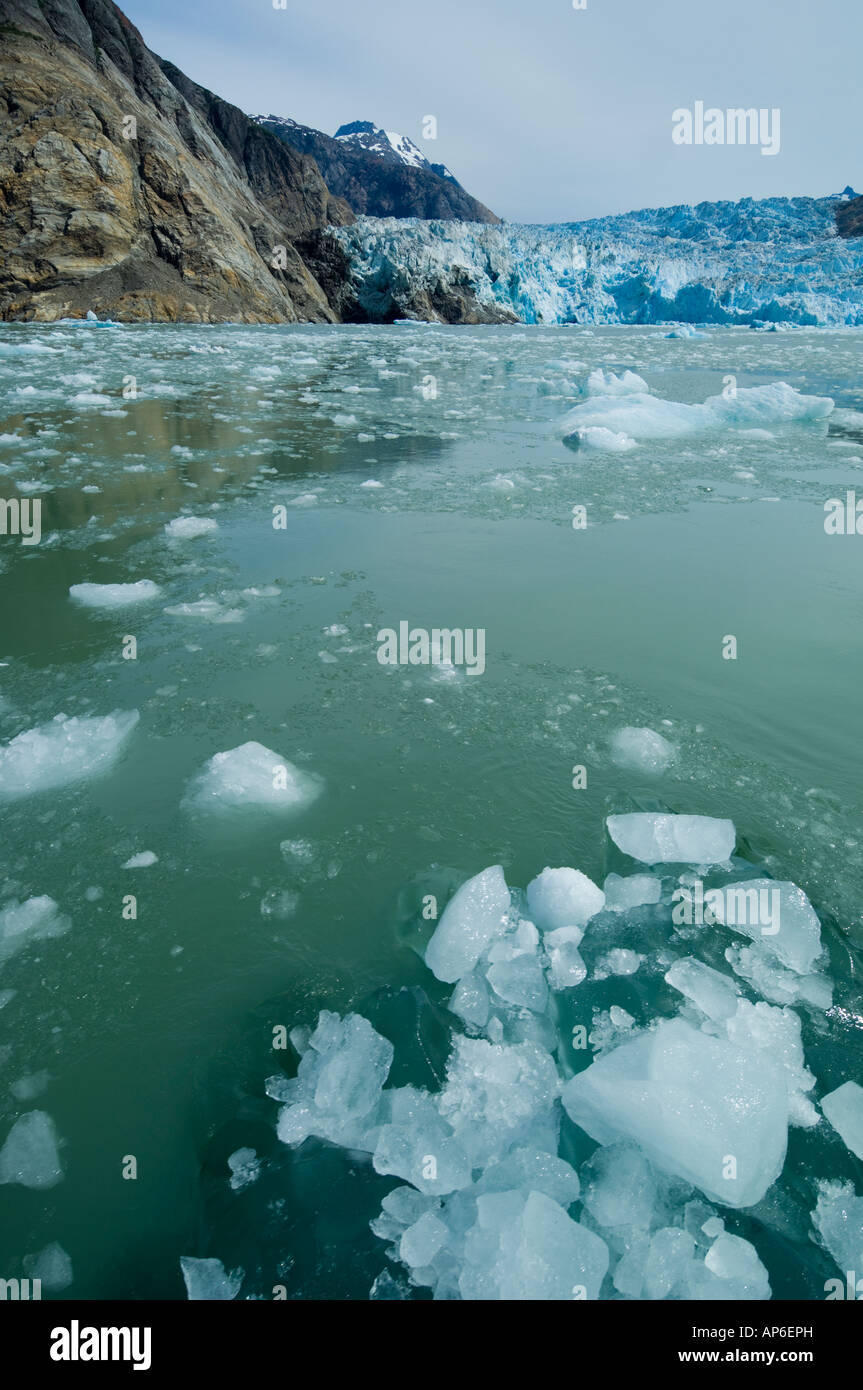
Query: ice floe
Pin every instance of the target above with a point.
(63, 751)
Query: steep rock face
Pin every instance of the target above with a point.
(179, 222)
(376, 186)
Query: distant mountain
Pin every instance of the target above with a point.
(127, 188)
(379, 173)
(390, 146)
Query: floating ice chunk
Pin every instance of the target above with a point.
(520, 981)
(602, 383)
(52, 1266)
(644, 416)
(338, 1085)
(421, 1241)
(530, 1249)
(470, 999)
(838, 1219)
(618, 961)
(755, 964)
(251, 777)
(777, 915)
(607, 441)
(114, 595)
(733, 1258)
(533, 1171)
(31, 1154)
(37, 919)
(618, 1186)
(642, 750)
(563, 898)
(63, 751)
(475, 915)
(636, 890)
(710, 991)
(654, 838)
(417, 1145)
(245, 1167)
(776, 1033)
(189, 528)
(31, 1086)
(495, 1093)
(844, 1109)
(668, 1260)
(690, 1101)
(145, 860)
(208, 1281)
(208, 608)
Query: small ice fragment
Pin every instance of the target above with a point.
(62, 751)
(710, 991)
(422, 1241)
(114, 595)
(655, 838)
(144, 860)
(208, 1281)
(189, 528)
(31, 1153)
(474, 916)
(563, 898)
(251, 777)
(642, 750)
(37, 919)
(777, 915)
(636, 890)
(52, 1266)
(844, 1109)
(245, 1167)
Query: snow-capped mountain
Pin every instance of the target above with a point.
(778, 260)
(389, 145)
(380, 173)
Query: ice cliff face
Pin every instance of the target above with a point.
(775, 260)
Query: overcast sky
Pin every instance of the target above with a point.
(547, 113)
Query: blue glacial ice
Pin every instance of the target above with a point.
(777, 260)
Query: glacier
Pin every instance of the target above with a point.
(767, 261)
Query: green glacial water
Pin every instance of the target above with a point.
(150, 1038)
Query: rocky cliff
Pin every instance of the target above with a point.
(127, 188)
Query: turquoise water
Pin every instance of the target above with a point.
(156, 1033)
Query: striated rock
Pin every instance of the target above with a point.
(128, 189)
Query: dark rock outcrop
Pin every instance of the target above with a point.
(849, 218)
(127, 188)
(377, 186)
